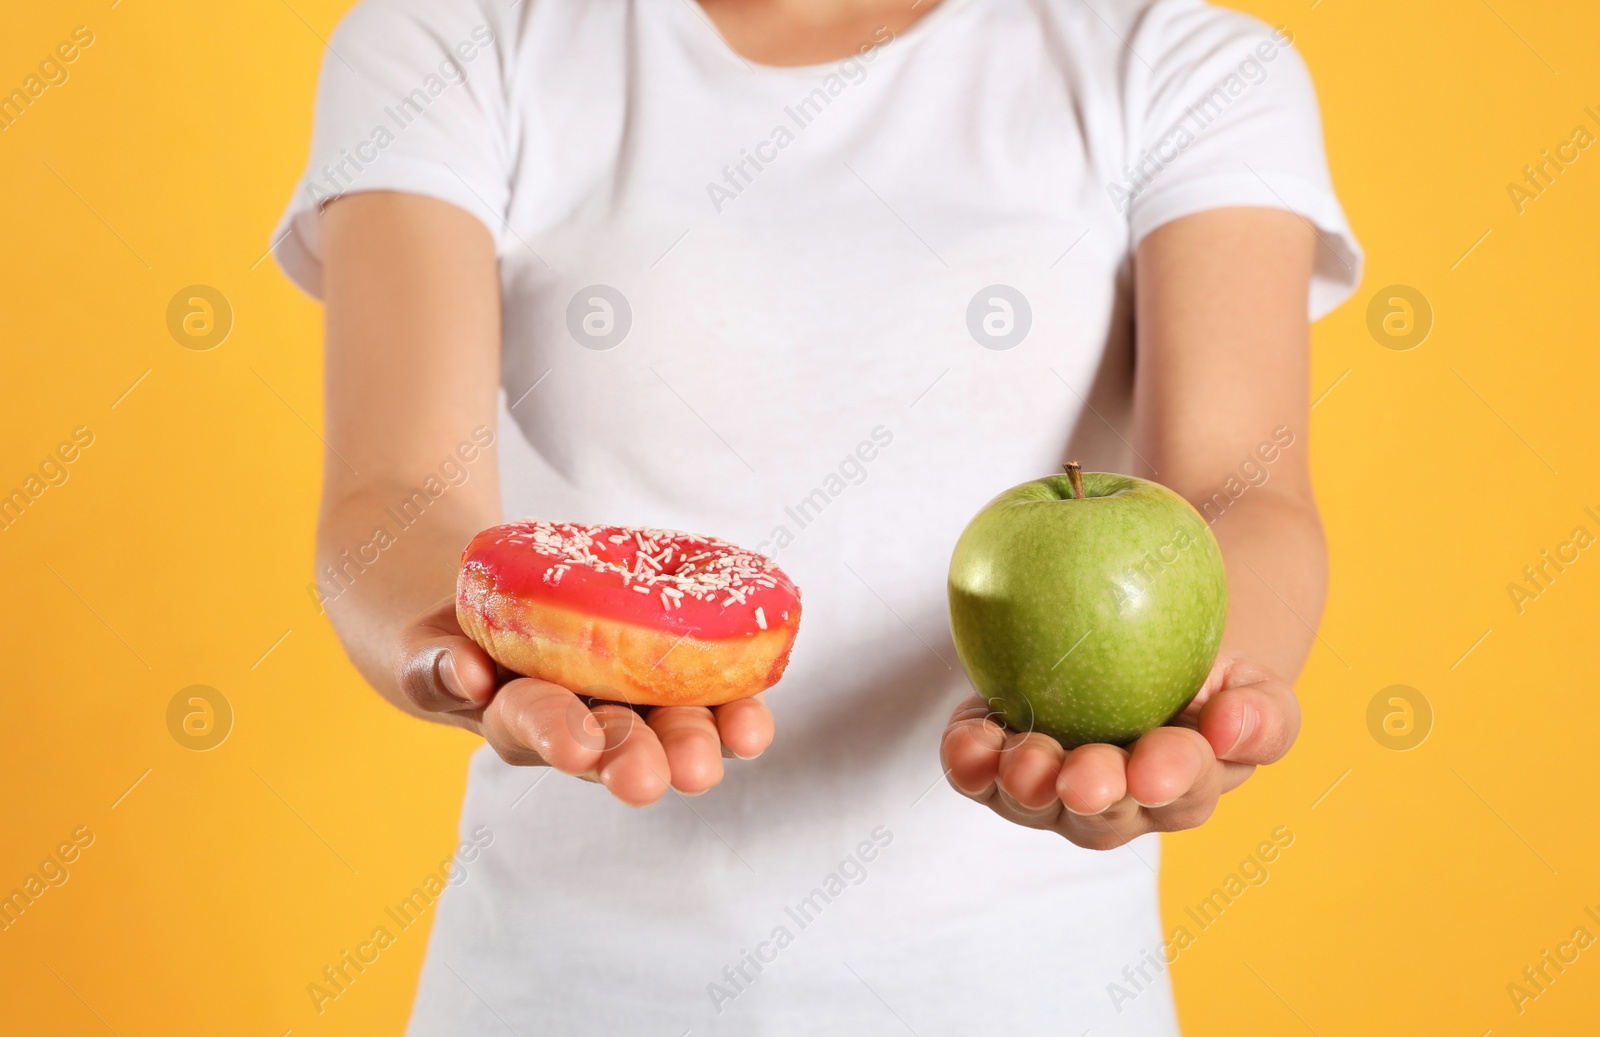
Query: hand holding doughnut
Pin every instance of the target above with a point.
(446, 676)
(650, 617)
(736, 617)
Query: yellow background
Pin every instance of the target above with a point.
(1415, 890)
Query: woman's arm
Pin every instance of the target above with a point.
(413, 366)
(413, 369)
(1222, 368)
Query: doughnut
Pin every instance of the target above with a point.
(651, 617)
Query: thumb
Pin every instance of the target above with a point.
(1252, 723)
(440, 669)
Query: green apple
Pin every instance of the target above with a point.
(1091, 615)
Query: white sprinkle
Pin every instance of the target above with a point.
(761, 618)
(672, 563)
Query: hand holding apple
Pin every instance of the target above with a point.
(1100, 796)
(1087, 606)
(1088, 609)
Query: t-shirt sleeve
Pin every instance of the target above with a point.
(1222, 113)
(410, 98)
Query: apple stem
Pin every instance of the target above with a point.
(1074, 472)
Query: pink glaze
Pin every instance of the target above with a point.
(694, 585)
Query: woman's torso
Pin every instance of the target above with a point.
(859, 300)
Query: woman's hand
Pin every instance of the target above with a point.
(1101, 796)
(634, 754)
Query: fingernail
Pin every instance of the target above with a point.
(589, 732)
(1157, 806)
(1247, 726)
(449, 678)
(966, 791)
(1079, 813)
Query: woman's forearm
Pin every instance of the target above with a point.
(412, 378)
(1277, 565)
(1222, 374)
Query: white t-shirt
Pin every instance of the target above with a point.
(827, 312)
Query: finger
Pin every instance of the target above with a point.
(633, 765)
(1115, 826)
(1099, 814)
(1252, 723)
(440, 669)
(1165, 764)
(1194, 808)
(533, 722)
(971, 748)
(1029, 769)
(744, 726)
(693, 749)
(1093, 778)
(1178, 759)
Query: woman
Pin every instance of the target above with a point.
(820, 278)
